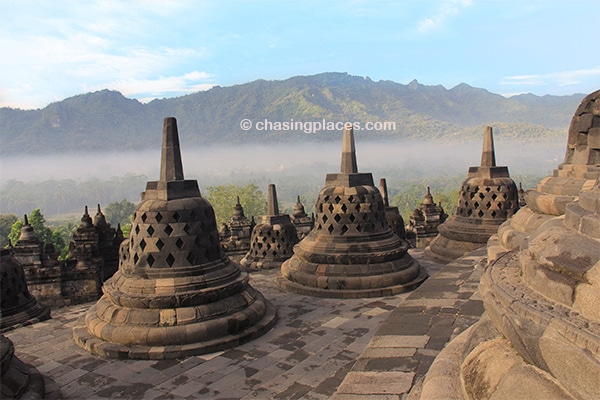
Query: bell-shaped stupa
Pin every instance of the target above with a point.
(302, 221)
(487, 198)
(236, 235)
(351, 251)
(175, 294)
(579, 170)
(273, 237)
(423, 224)
(392, 215)
(18, 306)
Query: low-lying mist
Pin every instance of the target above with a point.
(63, 184)
(231, 162)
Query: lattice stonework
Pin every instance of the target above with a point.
(350, 214)
(272, 242)
(170, 239)
(488, 202)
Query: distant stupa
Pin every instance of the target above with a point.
(351, 251)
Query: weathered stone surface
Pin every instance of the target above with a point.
(577, 173)
(235, 235)
(351, 251)
(273, 238)
(176, 294)
(488, 197)
(541, 299)
(18, 306)
(18, 380)
(423, 224)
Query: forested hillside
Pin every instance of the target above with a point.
(106, 120)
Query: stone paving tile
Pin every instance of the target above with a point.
(441, 308)
(319, 348)
(307, 354)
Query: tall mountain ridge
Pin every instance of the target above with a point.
(108, 121)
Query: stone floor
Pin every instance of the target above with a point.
(374, 348)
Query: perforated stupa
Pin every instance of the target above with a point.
(175, 294)
(351, 251)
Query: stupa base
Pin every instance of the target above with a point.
(102, 348)
(352, 293)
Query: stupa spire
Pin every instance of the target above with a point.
(488, 155)
(171, 167)
(384, 191)
(349, 165)
(272, 206)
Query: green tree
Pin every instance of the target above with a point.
(224, 197)
(119, 212)
(45, 234)
(6, 222)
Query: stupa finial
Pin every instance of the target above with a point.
(384, 191)
(25, 220)
(349, 165)
(272, 206)
(488, 156)
(171, 167)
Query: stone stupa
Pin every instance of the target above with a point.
(578, 171)
(351, 251)
(273, 238)
(237, 233)
(540, 334)
(423, 224)
(392, 214)
(175, 294)
(301, 220)
(18, 306)
(487, 198)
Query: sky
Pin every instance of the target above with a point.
(148, 49)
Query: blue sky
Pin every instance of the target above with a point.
(166, 48)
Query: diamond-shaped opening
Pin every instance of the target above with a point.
(168, 230)
(170, 260)
(160, 244)
(259, 245)
(321, 207)
(330, 208)
(337, 217)
(344, 229)
(150, 260)
(481, 196)
(330, 228)
(150, 230)
(494, 214)
(480, 213)
(500, 188)
(488, 205)
(494, 196)
(352, 217)
(325, 218)
(344, 208)
(476, 204)
(264, 253)
(487, 189)
(187, 229)
(137, 229)
(337, 199)
(191, 258)
(158, 217)
(143, 244)
(144, 217)
(326, 199)
(350, 199)
(179, 243)
(176, 216)
(469, 212)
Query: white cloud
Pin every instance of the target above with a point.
(150, 89)
(561, 78)
(445, 11)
